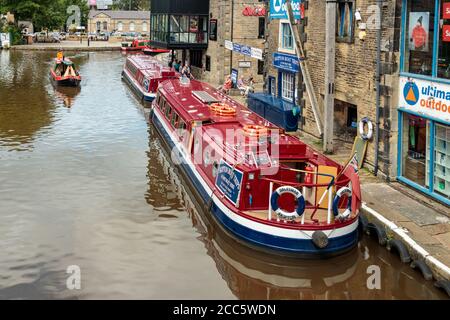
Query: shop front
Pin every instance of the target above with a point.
(279, 106)
(424, 98)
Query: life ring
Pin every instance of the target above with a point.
(337, 199)
(369, 134)
(255, 131)
(222, 109)
(288, 216)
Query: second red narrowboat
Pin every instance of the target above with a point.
(135, 45)
(154, 51)
(144, 73)
(267, 188)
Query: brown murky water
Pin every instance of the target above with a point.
(84, 181)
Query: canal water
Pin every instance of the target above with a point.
(85, 182)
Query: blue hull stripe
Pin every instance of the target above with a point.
(264, 240)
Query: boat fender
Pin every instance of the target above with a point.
(288, 216)
(422, 266)
(401, 249)
(444, 285)
(320, 239)
(374, 228)
(366, 136)
(337, 199)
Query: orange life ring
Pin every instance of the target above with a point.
(223, 109)
(255, 131)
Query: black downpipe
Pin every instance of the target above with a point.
(232, 34)
(378, 87)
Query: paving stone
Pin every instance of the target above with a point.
(437, 229)
(444, 239)
(418, 234)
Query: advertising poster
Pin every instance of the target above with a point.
(419, 29)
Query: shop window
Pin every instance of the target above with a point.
(444, 42)
(345, 25)
(419, 35)
(287, 86)
(261, 27)
(442, 160)
(286, 39)
(415, 153)
(208, 63)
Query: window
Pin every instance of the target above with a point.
(419, 34)
(442, 160)
(132, 26)
(105, 25)
(213, 30)
(196, 58)
(260, 66)
(168, 112)
(208, 63)
(99, 25)
(444, 42)
(415, 145)
(120, 26)
(345, 25)
(261, 27)
(287, 86)
(144, 26)
(287, 41)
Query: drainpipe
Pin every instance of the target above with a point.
(232, 34)
(378, 87)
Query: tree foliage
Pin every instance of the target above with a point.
(131, 5)
(45, 14)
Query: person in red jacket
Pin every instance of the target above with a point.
(419, 36)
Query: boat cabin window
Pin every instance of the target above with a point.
(168, 112)
(175, 120)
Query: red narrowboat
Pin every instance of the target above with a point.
(268, 189)
(144, 73)
(64, 73)
(136, 45)
(154, 51)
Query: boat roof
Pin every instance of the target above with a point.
(151, 67)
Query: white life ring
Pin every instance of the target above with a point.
(369, 134)
(284, 215)
(348, 211)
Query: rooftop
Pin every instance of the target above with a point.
(113, 14)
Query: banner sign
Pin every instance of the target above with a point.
(425, 97)
(278, 9)
(286, 62)
(229, 182)
(245, 50)
(446, 10)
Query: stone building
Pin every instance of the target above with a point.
(121, 21)
(355, 71)
(203, 32)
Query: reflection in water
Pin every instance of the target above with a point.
(89, 191)
(252, 274)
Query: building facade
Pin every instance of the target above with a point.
(216, 37)
(424, 98)
(121, 21)
(355, 70)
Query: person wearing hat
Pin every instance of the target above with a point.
(419, 36)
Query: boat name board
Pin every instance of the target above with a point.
(229, 182)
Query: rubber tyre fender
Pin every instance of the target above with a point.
(379, 231)
(443, 285)
(401, 249)
(423, 268)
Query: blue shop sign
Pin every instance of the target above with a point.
(286, 62)
(245, 50)
(229, 182)
(278, 9)
(236, 47)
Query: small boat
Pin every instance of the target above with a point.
(64, 73)
(154, 51)
(265, 187)
(144, 73)
(135, 45)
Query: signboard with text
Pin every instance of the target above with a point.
(278, 9)
(229, 182)
(286, 62)
(446, 10)
(446, 33)
(425, 97)
(245, 50)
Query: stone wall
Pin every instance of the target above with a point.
(113, 24)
